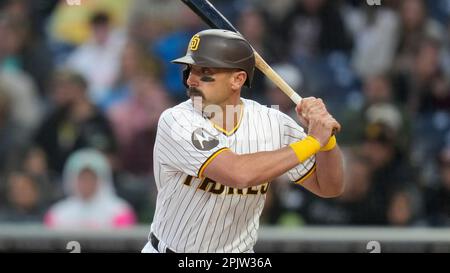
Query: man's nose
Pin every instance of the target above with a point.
(192, 79)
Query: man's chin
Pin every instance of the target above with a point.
(197, 98)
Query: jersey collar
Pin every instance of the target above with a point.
(232, 131)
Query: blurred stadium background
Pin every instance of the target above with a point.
(96, 74)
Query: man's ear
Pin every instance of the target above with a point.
(238, 79)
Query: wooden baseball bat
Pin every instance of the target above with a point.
(276, 78)
(213, 18)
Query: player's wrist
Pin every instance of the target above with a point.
(305, 148)
(330, 145)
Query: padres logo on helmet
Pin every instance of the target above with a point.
(195, 42)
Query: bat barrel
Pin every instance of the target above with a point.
(209, 14)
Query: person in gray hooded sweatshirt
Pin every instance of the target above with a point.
(91, 200)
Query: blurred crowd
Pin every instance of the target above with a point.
(82, 85)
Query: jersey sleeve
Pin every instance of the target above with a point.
(185, 142)
(293, 132)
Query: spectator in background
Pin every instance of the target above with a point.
(374, 32)
(34, 163)
(424, 88)
(150, 19)
(13, 136)
(378, 105)
(98, 59)
(7, 131)
(74, 123)
(314, 27)
(31, 53)
(439, 10)
(415, 26)
(314, 37)
(91, 201)
(36, 12)
(391, 166)
(357, 200)
(438, 196)
(20, 87)
(69, 24)
(275, 9)
(25, 202)
(358, 205)
(135, 60)
(405, 208)
(172, 44)
(134, 121)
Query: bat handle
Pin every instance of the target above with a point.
(295, 98)
(272, 75)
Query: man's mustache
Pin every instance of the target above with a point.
(192, 91)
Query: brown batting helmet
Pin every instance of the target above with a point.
(218, 48)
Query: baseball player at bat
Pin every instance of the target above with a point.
(216, 153)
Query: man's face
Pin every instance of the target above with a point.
(213, 85)
(87, 184)
(101, 32)
(23, 192)
(65, 93)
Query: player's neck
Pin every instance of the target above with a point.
(231, 115)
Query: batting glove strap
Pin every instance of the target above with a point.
(305, 148)
(330, 145)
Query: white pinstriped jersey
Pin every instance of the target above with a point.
(196, 214)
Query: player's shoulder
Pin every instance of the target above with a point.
(179, 109)
(182, 114)
(184, 110)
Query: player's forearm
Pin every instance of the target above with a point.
(330, 173)
(247, 170)
(259, 168)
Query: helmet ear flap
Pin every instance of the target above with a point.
(186, 73)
